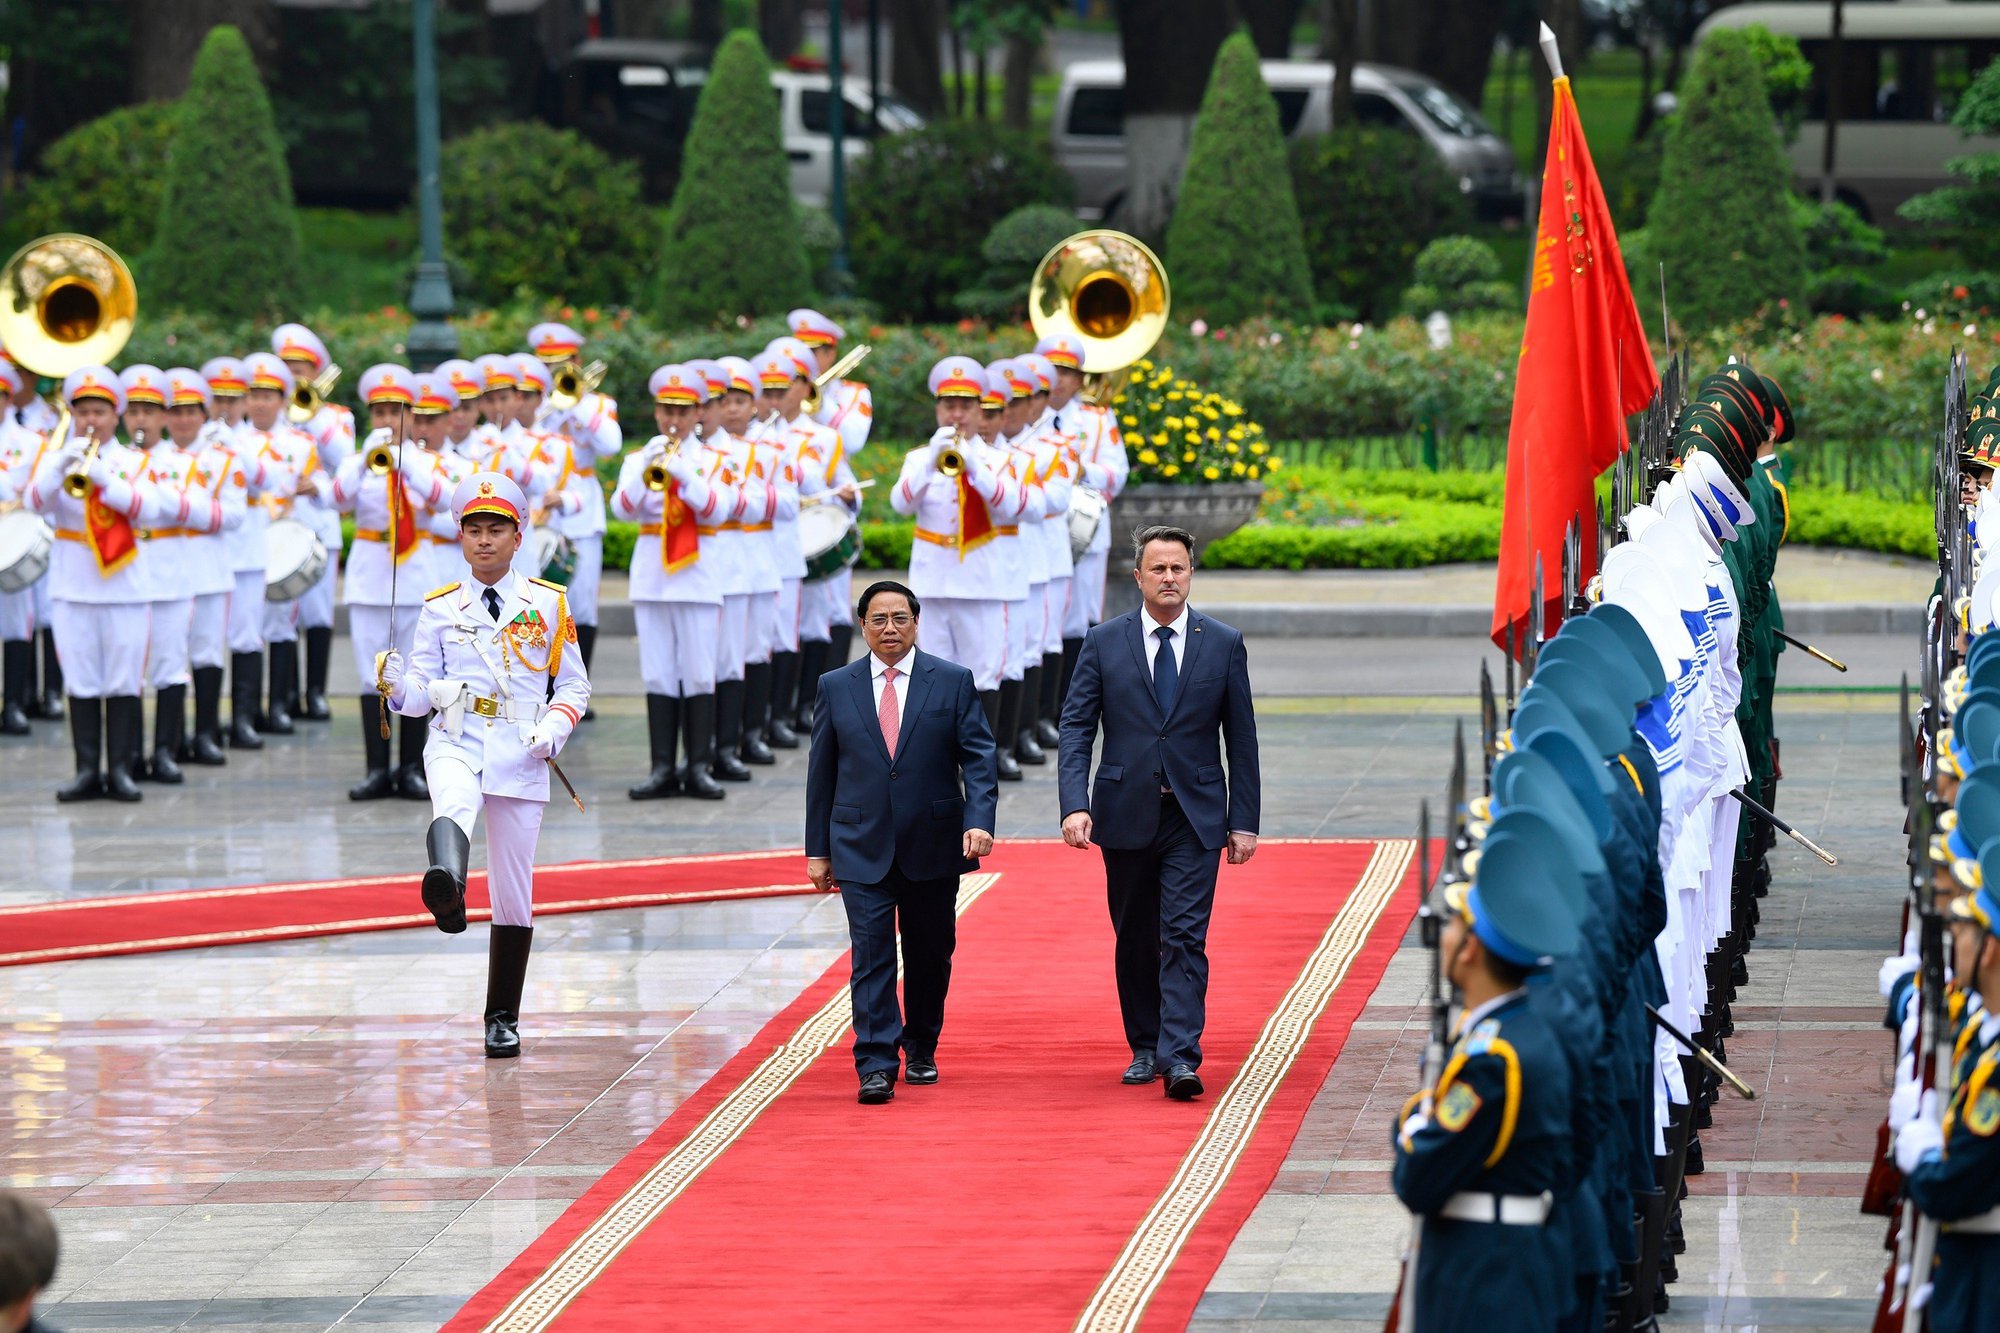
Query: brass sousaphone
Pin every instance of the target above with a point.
(1109, 292)
(66, 301)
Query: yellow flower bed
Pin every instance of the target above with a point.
(1175, 431)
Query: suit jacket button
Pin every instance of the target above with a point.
(893, 775)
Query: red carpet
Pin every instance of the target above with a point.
(198, 918)
(1028, 1190)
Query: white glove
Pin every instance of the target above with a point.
(678, 466)
(1893, 970)
(389, 668)
(1921, 1136)
(1416, 1122)
(1903, 1101)
(413, 464)
(99, 470)
(542, 741)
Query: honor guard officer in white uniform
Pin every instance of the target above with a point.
(959, 571)
(172, 609)
(259, 481)
(387, 567)
(759, 451)
(209, 579)
(331, 429)
(267, 434)
(494, 667)
(825, 610)
(591, 427)
(1101, 469)
(785, 372)
(848, 409)
(1055, 463)
(732, 403)
(1032, 460)
(101, 590)
(674, 491)
(819, 461)
(28, 411)
(19, 448)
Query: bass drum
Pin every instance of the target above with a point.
(1086, 515)
(830, 539)
(25, 546)
(554, 555)
(294, 560)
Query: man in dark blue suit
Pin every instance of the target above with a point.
(1172, 689)
(896, 847)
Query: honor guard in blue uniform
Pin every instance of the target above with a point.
(1479, 1155)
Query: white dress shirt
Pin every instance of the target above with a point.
(876, 666)
(1178, 640)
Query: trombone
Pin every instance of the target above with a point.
(571, 384)
(854, 357)
(309, 397)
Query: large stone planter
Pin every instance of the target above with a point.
(1211, 510)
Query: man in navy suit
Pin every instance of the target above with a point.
(896, 848)
(1172, 689)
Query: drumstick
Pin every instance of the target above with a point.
(828, 497)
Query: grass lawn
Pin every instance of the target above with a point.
(355, 261)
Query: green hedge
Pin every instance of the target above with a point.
(1835, 518)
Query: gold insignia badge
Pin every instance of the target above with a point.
(1460, 1104)
(1984, 1117)
(486, 488)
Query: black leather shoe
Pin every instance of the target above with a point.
(1183, 1084)
(410, 784)
(920, 1069)
(1010, 770)
(379, 785)
(1027, 750)
(778, 734)
(503, 1036)
(1141, 1070)
(1048, 733)
(876, 1088)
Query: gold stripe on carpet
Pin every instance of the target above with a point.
(590, 1254)
(1121, 1298)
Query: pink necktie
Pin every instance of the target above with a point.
(886, 712)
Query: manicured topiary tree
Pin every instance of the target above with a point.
(1722, 221)
(1235, 246)
(103, 178)
(1012, 250)
(1964, 213)
(732, 245)
(228, 239)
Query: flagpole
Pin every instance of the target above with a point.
(1551, 52)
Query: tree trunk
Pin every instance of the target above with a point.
(979, 84)
(914, 31)
(781, 24)
(705, 21)
(1271, 23)
(1169, 48)
(1018, 88)
(1450, 40)
(1341, 27)
(166, 36)
(1644, 120)
(957, 72)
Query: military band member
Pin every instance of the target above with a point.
(101, 590)
(19, 448)
(172, 609)
(210, 451)
(554, 486)
(591, 427)
(1040, 451)
(266, 434)
(1101, 469)
(255, 476)
(848, 409)
(1055, 456)
(29, 411)
(494, 668)
(430, 418)
(331, 429)
(826, 478)
(732, 407)
(388, 567)
(786, 370)
(960, 572)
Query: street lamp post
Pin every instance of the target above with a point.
(432, 339)
(837, 132)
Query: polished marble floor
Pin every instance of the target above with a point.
(302, 1136)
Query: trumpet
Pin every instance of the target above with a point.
(381, 457)
(951, 458)
(77, 484)
(830, 374)
(571, 384)
(309, 397)
(655, 474)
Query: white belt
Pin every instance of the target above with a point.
(1509, 1210)
(1985, 1224)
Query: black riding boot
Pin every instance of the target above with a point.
(506, 973)
(989, 703)
(663, 722)
(1048, 721)
(756, 712)
(410, 784)
(319, 650)
(169, 729)
(246, 685)
(778, 733)
(86, 737)
(380, 784)
(205, 746)
(444, 882)
(728, 732)
(17, 663)
(840, 645)
(1004, 728)
(277, 719)
(1027, 748)
(812, 665)
(698, 720)
(124, 746)
(586, 643)
(52, 679)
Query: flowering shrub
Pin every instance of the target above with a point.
(1177, 432)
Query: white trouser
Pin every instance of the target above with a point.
(208, 631)
(167, 651)
(676, 653)
(787, 616)
(816, 605)
(512, 825)
(45, 603)
(761, 636)
(583, 581)
(966, 631)
(102, 646)
(17, 614)
(316, 607)
(246, 612)
(369, 628)
(732, 634)
(281, 621)
(1024, 631)
(1086, 597)
(840, 589)
(1056, 616)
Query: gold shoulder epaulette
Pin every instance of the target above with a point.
(439, 592)
(552, 587)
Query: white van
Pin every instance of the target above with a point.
(1088, 133)
(1903, 69)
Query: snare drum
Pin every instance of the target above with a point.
(25, 544)
(294, 560)
(830, 539)
(554, 555)
(1086, 515)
